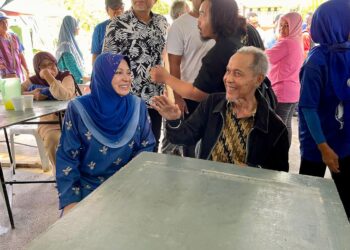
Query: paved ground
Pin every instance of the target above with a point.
(35, 206)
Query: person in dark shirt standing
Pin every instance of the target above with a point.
(217, 20)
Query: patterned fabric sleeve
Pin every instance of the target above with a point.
(108, 44)
(20, 45)
(67, 160)
(147, 140)
(67, 62)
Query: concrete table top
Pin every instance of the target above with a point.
(166, 202)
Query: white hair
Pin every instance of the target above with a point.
(260, 63)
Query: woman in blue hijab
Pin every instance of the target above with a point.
(324, 117)
(68, 54)
(102, 131)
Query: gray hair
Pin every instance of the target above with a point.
(260, 63)
(177, 8)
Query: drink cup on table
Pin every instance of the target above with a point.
(18, 103)
(28, 101)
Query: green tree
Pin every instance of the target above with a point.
(161, 7)
(86, 17)
(310, 6)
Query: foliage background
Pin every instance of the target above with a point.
(91, 13)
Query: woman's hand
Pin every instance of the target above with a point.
(158, 74)
(68, 207)
(329, 157)
(46, 75)
(166, 108)
(37, 95)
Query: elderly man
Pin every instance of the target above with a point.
(240, 128)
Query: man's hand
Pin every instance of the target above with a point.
(182, 104)
(159, 74)
(329, 157)
(166, 108)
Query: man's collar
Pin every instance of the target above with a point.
(134, 16)
(262, 111)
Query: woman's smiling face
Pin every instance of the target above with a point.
(121, 81)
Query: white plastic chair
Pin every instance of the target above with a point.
(29, 130)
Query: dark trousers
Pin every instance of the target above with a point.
(156, 120)
(286, 111)
(341, 180)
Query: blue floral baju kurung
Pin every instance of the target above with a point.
(101, 133)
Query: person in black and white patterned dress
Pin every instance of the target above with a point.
(140, 35)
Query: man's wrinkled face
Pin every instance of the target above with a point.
(240, 80)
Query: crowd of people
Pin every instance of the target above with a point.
(222, 78)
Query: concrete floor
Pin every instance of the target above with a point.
(35, 206)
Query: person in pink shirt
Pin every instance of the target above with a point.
(286, 59)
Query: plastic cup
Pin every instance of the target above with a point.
(28, 101)
(18, 103)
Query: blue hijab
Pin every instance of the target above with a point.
(330, 28)
(109, 116)
(67, 42)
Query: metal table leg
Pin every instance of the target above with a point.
(7, 201)
(9, 151)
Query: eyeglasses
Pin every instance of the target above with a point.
(47, 65)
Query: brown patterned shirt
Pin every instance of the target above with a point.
(231, 145)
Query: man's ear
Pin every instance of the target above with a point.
(260, 79)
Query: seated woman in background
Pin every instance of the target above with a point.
(68, 54)
(102, 131)
(49, 83)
